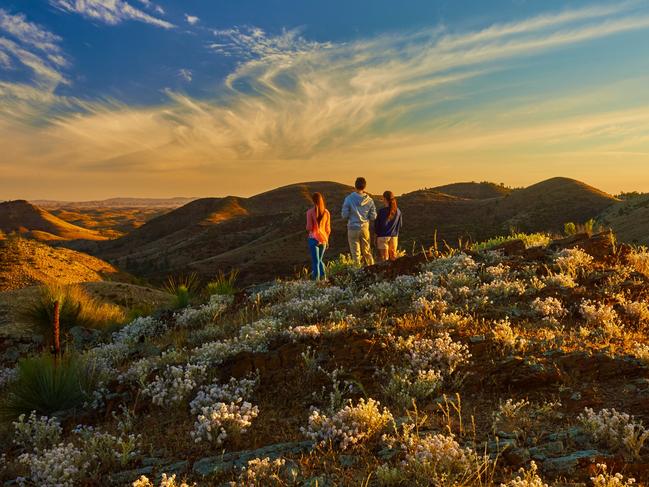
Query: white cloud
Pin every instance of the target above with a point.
(191, 19)
(152, 6)
(110, 12)
(185, 74)
(33, 49)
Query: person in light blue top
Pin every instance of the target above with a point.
(359, 210)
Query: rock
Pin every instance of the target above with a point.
(233, 460)
(569, 464)
(511, 247)
(517, 456)
(348, 460)
(477, 339)
(501, 445)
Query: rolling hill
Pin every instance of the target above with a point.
(29, 220)
(473, 190)
(264, 235)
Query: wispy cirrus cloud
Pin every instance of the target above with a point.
(191, 19)
(112, 12)
(293, 102)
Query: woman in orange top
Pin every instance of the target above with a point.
(318, 224)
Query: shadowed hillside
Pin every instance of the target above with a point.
(264, 235)
(29, 220)
(629, 219)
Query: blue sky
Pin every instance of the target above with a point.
(161, 98)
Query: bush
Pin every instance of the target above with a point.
(224, 284)
(76, 308)
(530, 240)
(47, 385)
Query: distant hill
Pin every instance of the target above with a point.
(117, 203)
(25, 262)
(264, 235)
(29, 220)
(629, 219)
(473, 190)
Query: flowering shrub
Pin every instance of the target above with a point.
(165, 481)
(504, 334)
(618, 431)
(255, 336)
(598, 313)
(405, 385)
(60, 466)
(138, 329)
(571, 261)
(426, 354)
(264, 471)
(640, 351)
(350, 426)
(431, 458)
(561, 280)
(206, 313)
(236, 390)
(215, 423)
(550, 309)
(105, 451)
(605, 479)
(527, 478)
(174, 384)
(637, 310)
(639, 260)
(36, 433)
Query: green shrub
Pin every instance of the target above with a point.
(529, 239)
(47, 385)
(76, 308)
(224, 284)
(570, 229)
(183, 289)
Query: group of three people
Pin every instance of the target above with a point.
(359, 211)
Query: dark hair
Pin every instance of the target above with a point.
(392, 202)
(360, 184)
(320, 205)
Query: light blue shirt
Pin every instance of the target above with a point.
(359, 210)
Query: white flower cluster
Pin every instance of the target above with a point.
(502, 288)
(165, 481)
(262, 472)
(618, 431)
(7, 376)
(235, 390)
(204, 314)
(427, 354)
(571, 261)
(105, 450)
(217, 422)
(404, 385)
(350, 426)
(637, 310)
(174, 384)
(605, 479)
(429, 457)
(60, 466)
(504, 334)
(640, 351)
(36, 433)
(138, 329)
(527, 478)
(254, 337)
(550, 308)
(560, 280)
(597, 313)
(107, 356)
(639, 260)
(454, 263)
(312, 308)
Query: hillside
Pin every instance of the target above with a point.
(474, 191)
(263, 235)
(457, 369)
(117, 203)
(29, 220)
(25, 262)
(629, 219)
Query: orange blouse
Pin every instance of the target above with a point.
(319, 231)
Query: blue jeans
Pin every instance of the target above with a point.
(317, 265)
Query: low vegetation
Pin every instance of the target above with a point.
(467, 368)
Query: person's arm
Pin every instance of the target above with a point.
(376, 225)
(328, 224)
(345, 212)
(371, 216)
(309, 223)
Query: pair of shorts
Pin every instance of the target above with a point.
(387, 243)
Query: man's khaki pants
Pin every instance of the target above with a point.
(359, 245)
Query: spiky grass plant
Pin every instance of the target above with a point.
(76, 308)
(183, 289)
(224, 284)
(47, 384)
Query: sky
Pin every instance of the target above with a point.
(161, 98)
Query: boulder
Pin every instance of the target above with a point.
(569, 465)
